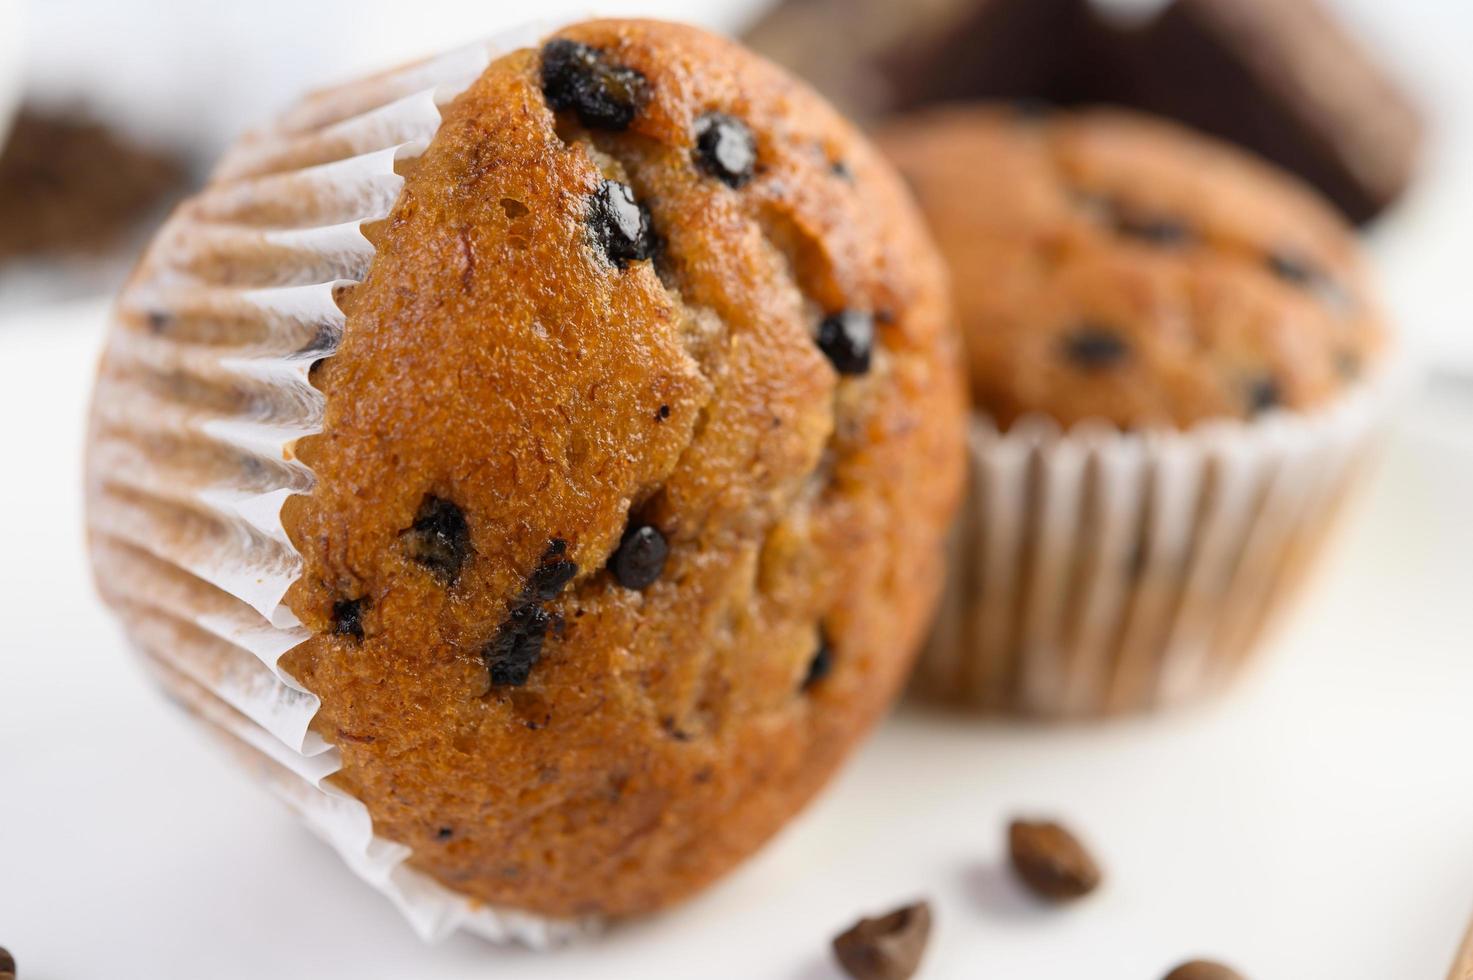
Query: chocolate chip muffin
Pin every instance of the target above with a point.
(1109, 265)
(1139, 303)
(605, 498)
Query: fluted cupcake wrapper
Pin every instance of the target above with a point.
(203, 395)
(1096, 572)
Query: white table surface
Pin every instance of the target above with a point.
(1318, 822)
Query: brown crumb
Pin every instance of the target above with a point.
(1203, 970)
(72, 185)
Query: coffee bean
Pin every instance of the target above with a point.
(1264, 394)
(887, 948)
(1203, 970)
(576, 76)
(640, 557)
(517, 646)
(347, 617)
(1051, 861)
(1094, 347)
(620, 224)
(725, 148)
(554, 572)
(847, 338)
(439, 538)
(7, 965)
(821, 664)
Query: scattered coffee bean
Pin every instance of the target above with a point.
(620, 224)
(1264, 394)
(725, 148)
(1093, 347)
(1203, 970)
(847, 338)
(7, 965)
(822, 663)
(554, 572)
(347, 617)
(1051, 861)
(517, 646)
(439, 538)
(640, 557)
(576, 76)
(887, 948)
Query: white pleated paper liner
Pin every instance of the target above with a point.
(202, 394)
(1096, 572)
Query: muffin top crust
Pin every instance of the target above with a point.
(1107, 265)
(637, 456)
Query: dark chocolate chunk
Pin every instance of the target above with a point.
(620, 224)
(640, 557)
(821, 664)
(847, 338)
(1264, 394)
(1095, 347)
(886, 948)
(439, 538)
(517, 646)
(1051, 861)
(663, 413)
(554, 572)
(347, 617)
(444, 833)
(1155, 229)
(725, 148)
(576, 76)
(1203, 970)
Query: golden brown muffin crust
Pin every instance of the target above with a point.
(495, 358)
(1108, 265)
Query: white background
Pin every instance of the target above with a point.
(1316, 823)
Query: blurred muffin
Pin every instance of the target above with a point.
(1168, 344)
(607, 475)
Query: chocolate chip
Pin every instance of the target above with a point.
(576, 76)
(439, 538)
(725, 148)
(1051, 861)
(846, 338)
(821, 664)
(663, 413)
(620, 224)
(517, 646)
(444, 833)
(1292, 268)
(1264, 394)
(640, 557)
(887, 948)
(554, 572)
(1094, 347)
(347, 617)
(1157, 230)
(7, 964)
(1203, 970)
